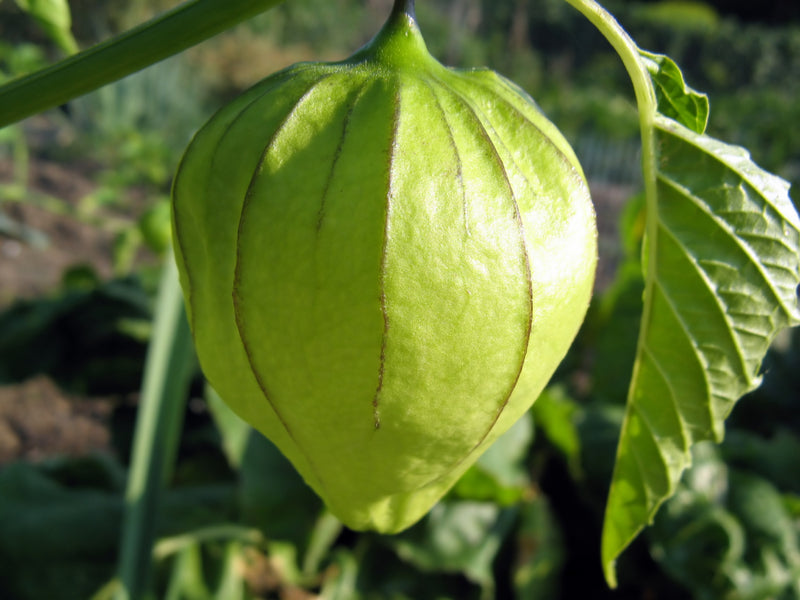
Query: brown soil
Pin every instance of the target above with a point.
(36, 418)
(26, 270)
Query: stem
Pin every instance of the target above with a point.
(168, 369)
(647, 105)
(240, 533)
(178, 29)
(404, 6)
(325, 532)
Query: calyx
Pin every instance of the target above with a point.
(384, 260)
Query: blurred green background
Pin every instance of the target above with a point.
(84, 229)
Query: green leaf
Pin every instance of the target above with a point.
(541, 552)
(342, 584)
(500, 474)
(186, 580)
(505, 458)
(774, 458)
(619, 311)
(80, 337)
(55, 19)
(458, 537)
(169, 367)
(234, 432)
(231, 584)
(554, 413)
(60, 524)
(721, 281)
(676, 100)
(273, 495)
(326, 530)
(194, 577)
(190, 23)
(54, 538)
(727, 534)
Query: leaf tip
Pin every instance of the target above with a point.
(610, 573)
(611, 548)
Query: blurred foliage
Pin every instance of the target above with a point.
(524, 522)
(90, 338)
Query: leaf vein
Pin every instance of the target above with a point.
(731, 233)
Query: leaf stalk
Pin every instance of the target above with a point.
(647, 106)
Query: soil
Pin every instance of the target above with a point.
(31, 270)
(37, 419)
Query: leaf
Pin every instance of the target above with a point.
(54, 17)
(59, 539)
(721, 282)
(273, 496)
(193, 576)
(505, 458)
(186, 579)
(676, 100)
(500, 474)
(619, 311)
(81, 337)
(168, 33)
(231, 584)
(235, 433)
(343, 582)
(458, 537)
(326, 531)
(541, 552)
(774, 458)
(727, 534)
(554, 413)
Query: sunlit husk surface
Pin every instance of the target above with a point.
(384, 261)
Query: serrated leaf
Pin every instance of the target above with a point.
(721, 282)
(676, 100)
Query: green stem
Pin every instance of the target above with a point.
(178, 29)
(647, 105)
(404, 6)
(225, 533)
(323, 536)
(168, 370)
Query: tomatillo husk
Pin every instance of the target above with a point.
(384, 260)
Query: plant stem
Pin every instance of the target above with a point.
(178, 29)
(404, 6)
(168, 370)
(646, 103)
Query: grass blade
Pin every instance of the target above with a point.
(168, 370)
(178, 29)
